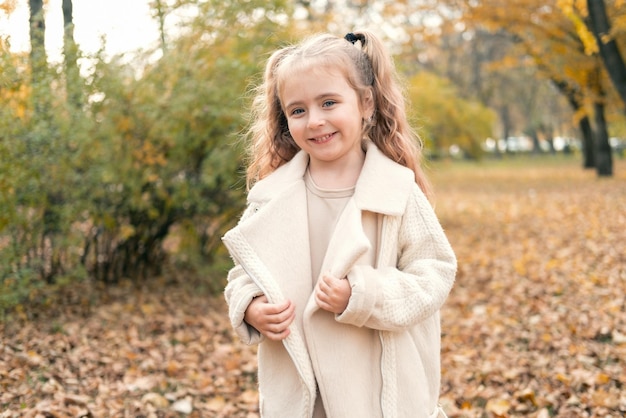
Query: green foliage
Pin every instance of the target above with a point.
(445, 119)
(173, 136)
(147, 172)
(39, 183)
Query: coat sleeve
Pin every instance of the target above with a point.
(239, 292)
(397, 297)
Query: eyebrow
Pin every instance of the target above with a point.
(318, 97)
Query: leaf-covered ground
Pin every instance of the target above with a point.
(535, 326)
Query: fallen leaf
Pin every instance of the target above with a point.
(499, 407)
(155, 399)
(184, 406)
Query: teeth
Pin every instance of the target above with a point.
(323, 138)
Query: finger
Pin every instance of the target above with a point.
(276, 308)
(322, 301)
(277, 336)
(327, 280)
(277, 333)
(284, 305)
(330, 280)
(323, 286)
(275, 328)
(331, 286)
(291, 314)
(285, 316)
(320, 295)
(322, 305)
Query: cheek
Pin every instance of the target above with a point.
(294, 126)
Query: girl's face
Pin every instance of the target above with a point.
(325, 116)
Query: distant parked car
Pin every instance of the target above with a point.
(518, 144)
(618, 145)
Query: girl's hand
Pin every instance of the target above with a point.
(332, 294)
(270, 319)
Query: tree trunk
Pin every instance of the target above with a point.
(160, 14)
(505, 116)
(70, 52)
(38, 60)
(604, 158)
(37, 34)
(599, 24)
(534, 135)
(549, 134)
(572, 94)
(589, 154)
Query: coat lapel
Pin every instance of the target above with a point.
(272, 246)
(276, 238)
(383, 186)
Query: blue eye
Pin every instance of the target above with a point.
(328, 103)
(296, 111)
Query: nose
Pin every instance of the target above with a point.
(316, 118)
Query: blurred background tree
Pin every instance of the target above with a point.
(118, 170)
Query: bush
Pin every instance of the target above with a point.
(145, 173)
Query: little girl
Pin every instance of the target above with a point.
(341, 266)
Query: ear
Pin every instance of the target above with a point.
(368, 104)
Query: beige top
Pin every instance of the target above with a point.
(325, 207)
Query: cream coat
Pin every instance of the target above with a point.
(381, 356)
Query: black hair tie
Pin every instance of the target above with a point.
(352, 38)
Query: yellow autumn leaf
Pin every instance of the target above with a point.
(147, 308)
(466, 405)
(216, 403)
(155, 399)
(605, 399)
(562, 378)
(602, 378)
(127, 231)
(498, 407)
(249, 396)
(528, 395)
(8, 6)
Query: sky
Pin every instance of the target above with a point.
(126, 24)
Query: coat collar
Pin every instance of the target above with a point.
(383, 186)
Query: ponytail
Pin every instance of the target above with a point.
(390, 129)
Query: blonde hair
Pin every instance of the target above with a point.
(366, 65)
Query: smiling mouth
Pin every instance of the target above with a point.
(323, 139)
